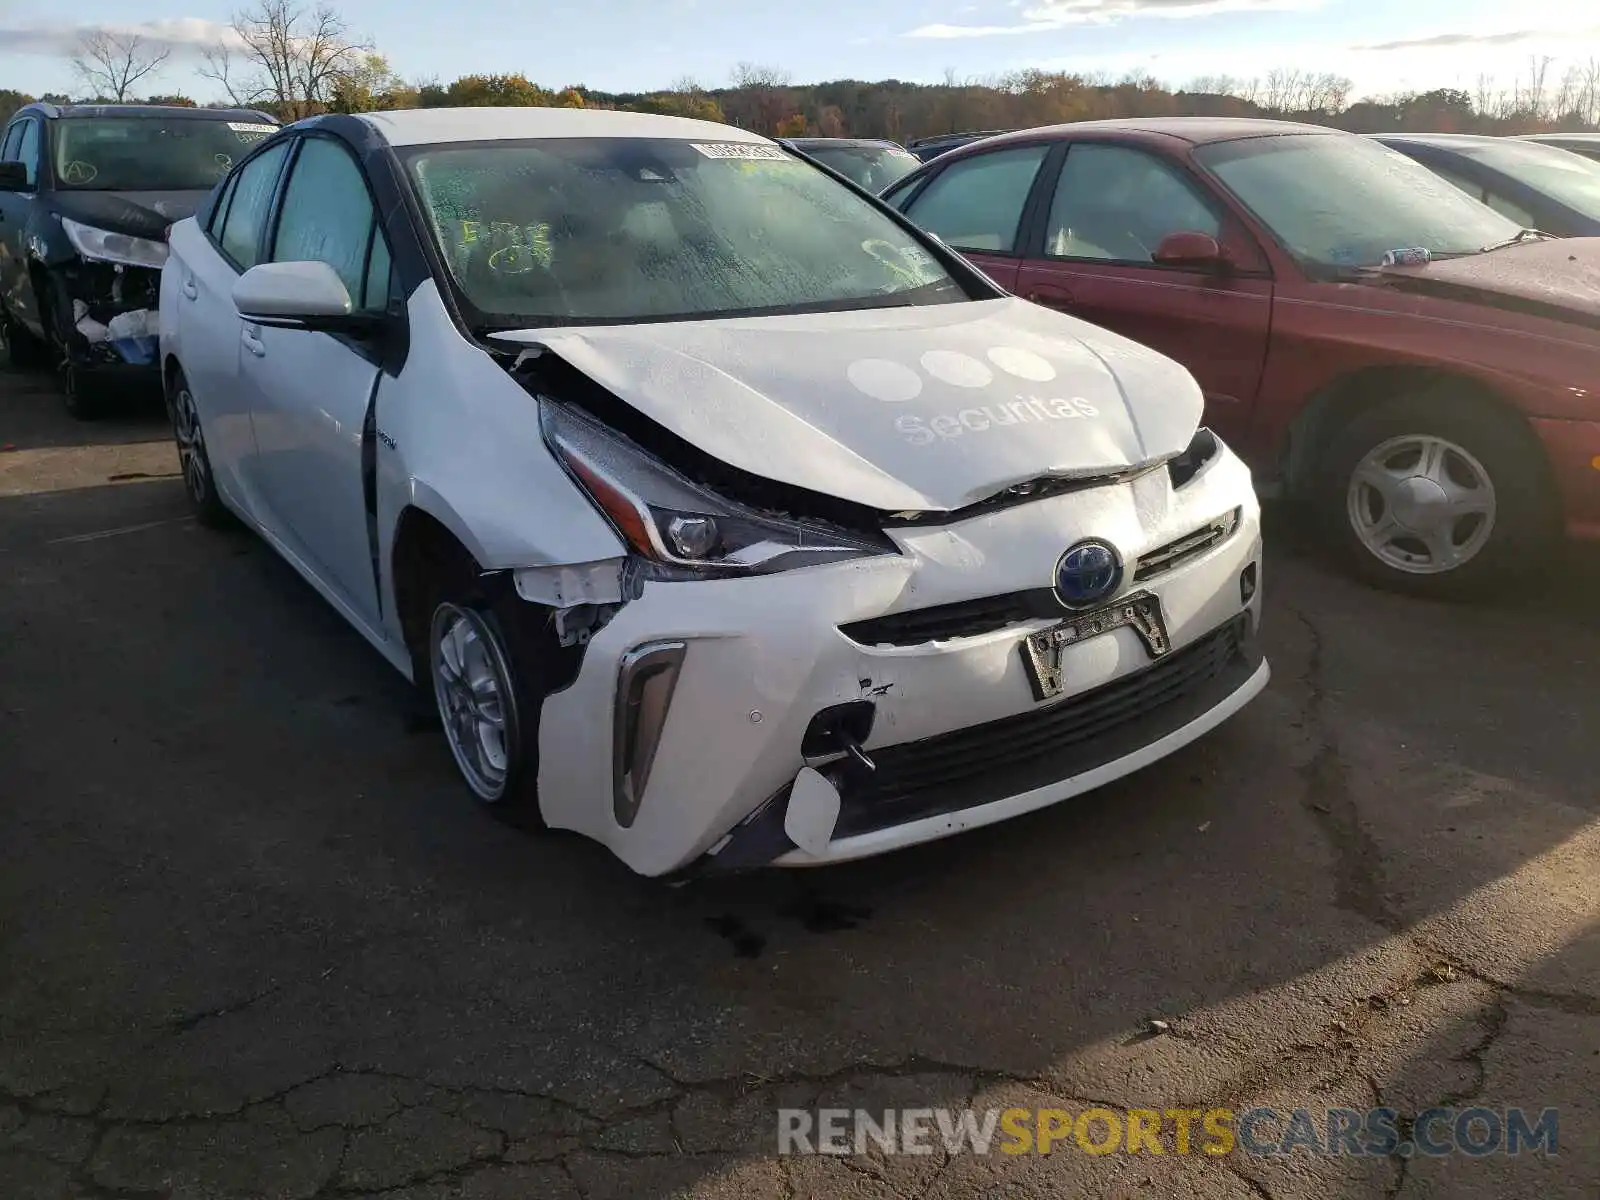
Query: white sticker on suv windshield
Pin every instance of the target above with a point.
(738, 150)
(247, 127)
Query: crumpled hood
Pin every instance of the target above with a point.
(137, 214)
(1558, 278)
(927, 408)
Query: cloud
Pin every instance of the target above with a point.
(1046, 15)
(179, 35)
(1444, 41)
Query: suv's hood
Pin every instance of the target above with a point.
(137, 214)
(1559, 278)
(925, 408)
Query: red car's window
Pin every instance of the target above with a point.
(1115, 203)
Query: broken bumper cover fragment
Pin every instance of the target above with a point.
(114, 322)
(915, 739)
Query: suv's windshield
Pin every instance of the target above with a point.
(872, 167)
(1569, 178)
(1343, 201)
(149, 154)
(626, 229)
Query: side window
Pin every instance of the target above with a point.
(8, 147)
(28, 150)
(1510, 210)
(1116, 204)
(977, 203)
(247, 212)
(328, 217)
(375, 293)
(1475, 190)
(219, 212)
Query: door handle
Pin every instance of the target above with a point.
(253, 344)
(1050, 294)
(190, 290)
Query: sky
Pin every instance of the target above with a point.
(638, 45)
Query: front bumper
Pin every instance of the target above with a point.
(105, 316)
(763, 656)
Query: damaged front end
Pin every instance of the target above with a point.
(113, 318)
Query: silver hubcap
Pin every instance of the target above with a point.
(472, 684)
(191, 445)
(1421, 504)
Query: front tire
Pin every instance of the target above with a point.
(1439, 495)
(198, 481)
(489, 715)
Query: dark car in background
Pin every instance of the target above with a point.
(929, 148)
(1538, 186)
(1586, 144)
(87, 193)
(1417, 368)
(866, 162)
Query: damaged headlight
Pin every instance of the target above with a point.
(686, 529)
(1203, 448)
(105, 246)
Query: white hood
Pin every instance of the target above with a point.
(927, 408)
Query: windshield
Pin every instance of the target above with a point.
(572, 230)
(149, 154)
(872, 167)
(1344, 201)
(1568, 178)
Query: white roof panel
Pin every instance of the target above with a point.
(424, 126)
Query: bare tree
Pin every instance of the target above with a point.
(111, 63)
(1532, 97)
(286, 56)
(756, 77)
(1589, 93)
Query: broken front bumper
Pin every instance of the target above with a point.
(694, 708)
(107, 314)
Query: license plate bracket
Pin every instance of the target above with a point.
(1042, 652)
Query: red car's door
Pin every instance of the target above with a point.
(1112, 206)
(975, 205)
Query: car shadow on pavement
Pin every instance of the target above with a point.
(261, 943)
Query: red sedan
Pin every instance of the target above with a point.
(1420, 369)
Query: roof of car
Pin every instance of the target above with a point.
(428, 126)
(1195, 130)
(822, 143)
(1585, 138)
(69, 112)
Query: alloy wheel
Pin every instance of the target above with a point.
(472, 684)
(1421, 504)
(191, 445)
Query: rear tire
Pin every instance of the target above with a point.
(199, 484)
(1438, 494)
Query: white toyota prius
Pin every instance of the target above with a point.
(729, 519)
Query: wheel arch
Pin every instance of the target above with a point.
(1342, 399)
(424, 541)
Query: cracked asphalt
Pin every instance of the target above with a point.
(255, 942)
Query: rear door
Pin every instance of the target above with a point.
(208, 261)
(1111, 204)
(310, 394)
(977, 206)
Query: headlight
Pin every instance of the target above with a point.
(1202, 450)
(106, 246)
(686, 530)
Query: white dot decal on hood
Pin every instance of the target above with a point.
(891, 382)
(958, 370)
(1024, 364)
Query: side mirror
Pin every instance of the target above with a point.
(1190, 248)
(297, 295)
(14, 177)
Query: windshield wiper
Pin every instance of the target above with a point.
(1522, 235)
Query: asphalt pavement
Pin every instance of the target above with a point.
(255, 940)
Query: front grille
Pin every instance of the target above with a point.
(964, 618)
(1179, 551)
(977, 765)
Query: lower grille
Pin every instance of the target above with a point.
(974, 766)
(965, 618)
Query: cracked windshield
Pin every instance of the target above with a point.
(698, 600)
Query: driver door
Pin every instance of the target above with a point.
(1112, 205)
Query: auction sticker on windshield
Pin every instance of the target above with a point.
(738, 150)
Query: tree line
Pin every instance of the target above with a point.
(293, 61)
